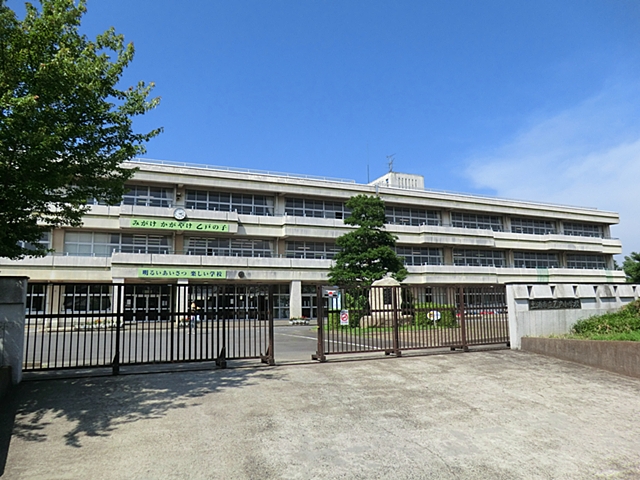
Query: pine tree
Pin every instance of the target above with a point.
(366, 254)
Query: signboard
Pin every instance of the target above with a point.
(555, 304)
(194, 273)
(434, 316)
(330, 292)
(178, 225)
(344, 317)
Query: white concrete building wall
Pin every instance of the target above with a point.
(280, 228)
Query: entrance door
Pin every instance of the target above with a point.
(147, 302)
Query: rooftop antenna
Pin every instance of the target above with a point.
(390, 160)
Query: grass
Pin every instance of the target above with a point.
(626, 337)
(623, 325)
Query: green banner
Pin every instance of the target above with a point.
(178, 225)
(194, 273)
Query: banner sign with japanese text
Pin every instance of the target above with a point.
(178, 225)
(194, 273)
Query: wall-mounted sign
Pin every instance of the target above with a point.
(195, 273)
(555, 304)
(178, 225)
(330, 292)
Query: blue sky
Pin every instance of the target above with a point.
(530, 100)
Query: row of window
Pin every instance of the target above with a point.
(496, 258)
(229, 247)
(245, 204)
(95, 298)
(149, 302)
(104, 244)
(249, 204)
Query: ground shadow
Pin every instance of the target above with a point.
(96, 406)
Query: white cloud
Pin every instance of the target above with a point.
(588, 155)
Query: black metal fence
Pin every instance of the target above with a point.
(396, 318)
(105, 325)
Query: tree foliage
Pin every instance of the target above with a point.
(65, 126)
(366, 254)
(631, 267)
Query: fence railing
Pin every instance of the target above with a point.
(90, 325)
(393, 319)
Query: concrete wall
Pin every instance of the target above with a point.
(524, 321)
(5, 381)
(618, 357)
(13, 294)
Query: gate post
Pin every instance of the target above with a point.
(463, 321)
(13, 295)
(221, 360)
(396, 329)
(115, 365)
(319, 355)
(270, 359)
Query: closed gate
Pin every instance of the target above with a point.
(396, 318)
(105, 325)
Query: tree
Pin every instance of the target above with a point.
(366, 254)
(65, 126)
(631, 267)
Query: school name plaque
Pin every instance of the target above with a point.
(555, 304)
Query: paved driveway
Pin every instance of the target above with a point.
(493, 414)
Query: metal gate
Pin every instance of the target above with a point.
(110, 325)
(396, 318)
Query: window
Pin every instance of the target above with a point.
(411, 216)
(586, 261)
(582, 229)
(311, 250)
(129, 243)
(36, 298)
(535, 260)
(229, 247)
(472, 220)
(420, 255)
(304, 207)
(87, 298)
(309, 301)
(281, 301)
(244, 204)
(104, 244)
(148, 196)
(531, 226)
(482, 258)
(45, 240)
(87, 244)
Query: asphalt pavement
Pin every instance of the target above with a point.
(489, 414)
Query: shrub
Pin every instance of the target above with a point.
(333, 321)
(633, 308)
(447, 315)
(407, 305)
(627, 320)
(357, 304)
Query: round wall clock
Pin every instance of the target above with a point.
(179, 214)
